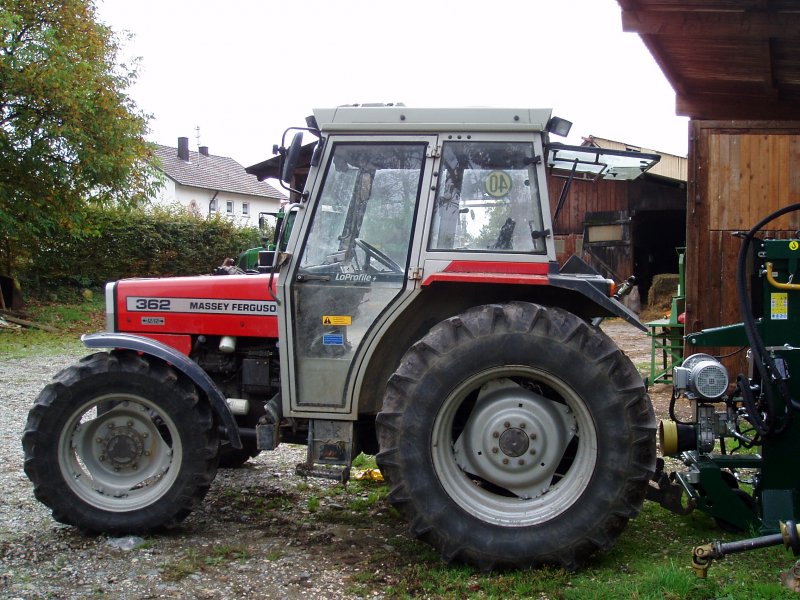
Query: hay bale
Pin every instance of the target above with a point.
(663, 288)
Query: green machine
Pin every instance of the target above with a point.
(740, 448)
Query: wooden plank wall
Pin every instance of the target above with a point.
(739, 172)
(583, 197)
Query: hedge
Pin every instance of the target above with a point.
(156, 242)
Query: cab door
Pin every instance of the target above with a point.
(351, 264)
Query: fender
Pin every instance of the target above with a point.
(178, 360)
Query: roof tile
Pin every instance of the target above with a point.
(212, 172)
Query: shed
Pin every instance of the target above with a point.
(624, 228)
(735, 69)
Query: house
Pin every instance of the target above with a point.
(207, 184)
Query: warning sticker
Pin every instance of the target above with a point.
(779, 306)
(337, 320)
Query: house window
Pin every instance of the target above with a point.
(229, 207)
(245, 208)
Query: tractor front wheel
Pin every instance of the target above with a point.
(514, 435)
(120, 444)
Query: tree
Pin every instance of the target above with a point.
(70, 136)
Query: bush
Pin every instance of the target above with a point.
(158, 242)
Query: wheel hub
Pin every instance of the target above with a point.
(514, 438)
(123, 446)
(514, 442)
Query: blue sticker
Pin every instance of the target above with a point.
(333, 339)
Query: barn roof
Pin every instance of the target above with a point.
(725, 59)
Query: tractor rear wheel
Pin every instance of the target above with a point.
(514, 435)
(121, 444)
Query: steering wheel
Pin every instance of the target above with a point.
(382, 258)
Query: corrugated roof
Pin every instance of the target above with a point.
(213, 173)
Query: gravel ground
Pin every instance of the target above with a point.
(253, 536)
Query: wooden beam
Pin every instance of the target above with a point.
(705, 24)
(736, 107)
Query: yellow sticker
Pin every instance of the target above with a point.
(779, 306)
(337, 320)
(497, 184)
(794, 245)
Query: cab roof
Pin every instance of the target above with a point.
(397, 118)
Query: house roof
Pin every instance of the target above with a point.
(212, 172)
(725, 59)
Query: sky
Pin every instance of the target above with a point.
(242, 71)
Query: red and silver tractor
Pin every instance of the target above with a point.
(415, 310)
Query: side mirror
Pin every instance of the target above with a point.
(291, 158)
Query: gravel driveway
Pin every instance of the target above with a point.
(251, 537)
(257, 534)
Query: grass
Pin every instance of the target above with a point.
(194, 561)
(651, 559)
(71, 317)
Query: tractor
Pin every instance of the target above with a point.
(414, 310)
(738, 444)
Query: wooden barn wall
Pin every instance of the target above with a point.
(739, 172)
(583, 197)
(606, 196)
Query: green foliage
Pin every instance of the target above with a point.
(70, 136)
(159, 242)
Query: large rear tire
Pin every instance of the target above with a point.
(514, 435)
(120, 444)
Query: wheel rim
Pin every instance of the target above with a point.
(119, 452)
(514, 446)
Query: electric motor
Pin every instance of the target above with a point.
(701, 376)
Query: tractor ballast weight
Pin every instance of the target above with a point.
(740, 446)
(414, 310)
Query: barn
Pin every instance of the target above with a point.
(735, 69)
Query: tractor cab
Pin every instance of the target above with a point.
(401, 204)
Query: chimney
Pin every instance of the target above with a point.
(183, 148)
(204, 150)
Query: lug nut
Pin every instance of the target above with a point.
(506, 424)
(495, 434)
(495, 450)
(522, 425)
(532, 452)
(533, 436)
(521, 462)
(505, 461)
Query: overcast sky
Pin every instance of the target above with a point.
(244, 70)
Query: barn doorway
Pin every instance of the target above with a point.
(655, 235)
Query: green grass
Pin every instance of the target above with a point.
(651, 560)
(71, 318)
(194, 561)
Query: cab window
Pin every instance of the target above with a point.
(487, 199)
